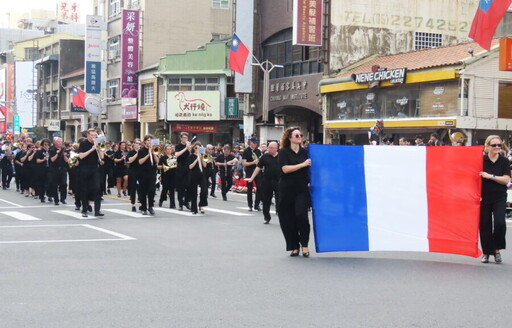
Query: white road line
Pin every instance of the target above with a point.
(20, 216)
(168, 210)
(116, 234)
(127, 213)
(59, 241)
(209, 209)
(247, 209)
(41, 226)
(75, 214)
(8, 202)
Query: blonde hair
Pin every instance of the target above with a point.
(491, 137)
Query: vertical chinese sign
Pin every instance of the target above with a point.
(68, 12)
(307, 22)
(129, 60)
(93, 54)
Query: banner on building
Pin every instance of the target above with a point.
(245, 31)
(307, 22)
(53, 125)
(3, 85)
(16, 125)
(193, 106)
(3, 118)
(195, 127)
(231, 106)
(129, 53)
(26, 89)
(68, 12)
(93, 30)
(129, 106)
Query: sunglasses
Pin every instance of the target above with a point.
(298, 136)
(495, 145)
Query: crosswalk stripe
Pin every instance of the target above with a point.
(20, 216)
(247, 208)
(209, 209)
(125, 212)
(168, 210)
(76, 215)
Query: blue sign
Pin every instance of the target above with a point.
(92, 77)
(17, 129)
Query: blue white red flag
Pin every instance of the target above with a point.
(77, 97)
(385, 198)
(487, 17)
(238, 55)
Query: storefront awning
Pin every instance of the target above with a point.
(406, 123)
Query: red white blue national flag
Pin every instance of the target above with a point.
(487, 17)
(238, 55)
(77, 97)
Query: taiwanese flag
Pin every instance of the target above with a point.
(386, 198)
(487, 17)
(238, 55)
(77, 97)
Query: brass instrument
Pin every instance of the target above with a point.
(171, 163)
(206, 157)
(156, 150)
(73, 159)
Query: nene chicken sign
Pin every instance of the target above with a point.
(396, 75)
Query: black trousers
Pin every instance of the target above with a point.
(57, 183)
(198, 181)
(269, 188)
(493, 226)
(18, 173)
(168, 187)
(133, 185)
(250, 186)
(147, 181)
(293, 217)
(211, 175)
(182, 184)
(41, 181)
(7, 174)
(89, 182)
(226, 181)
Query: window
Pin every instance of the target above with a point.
(31, 54)
(221, 4)
(148, 94)
(114, 8)
(114, 47)
(220, 36)
(194, 84)
(424, 40)
(113, 89)
(505, 100)
(133, 4)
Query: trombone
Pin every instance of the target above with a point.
(156, 150)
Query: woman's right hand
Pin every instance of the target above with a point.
(307, 162)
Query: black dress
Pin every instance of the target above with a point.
(197, 178)
(120, 169)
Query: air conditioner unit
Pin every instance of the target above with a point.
(53, 99)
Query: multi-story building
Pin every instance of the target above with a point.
(166, 27)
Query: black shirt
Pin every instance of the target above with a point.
(59, 161)
(133, 166)
(270, 164)
(146, 166)
(121, 165)
(300, 178)
(248, 156)
(182, 160)
(91, 159)
(224, 159)
(492, 190)
(18, 157)
(41, 154)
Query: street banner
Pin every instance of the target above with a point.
(93, 41)
(385, 198)
(130, 53)
(26, 90)
(307, 22)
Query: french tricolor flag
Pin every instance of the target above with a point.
(396, 198)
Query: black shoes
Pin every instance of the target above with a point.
(485, 258)
(160, 204)
(294, 253)
(257, 208)
(134, 209)
(84, 214)
(77, 208)
(213, 195)
(224, 198)
(56, 203)
(144, 213)
(266, 222)
(250, 209)
(151, 211)
(63, 202)
(99, 214)
(89, 208)
(181, 208)
(187, 206)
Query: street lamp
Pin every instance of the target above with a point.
(266, 67)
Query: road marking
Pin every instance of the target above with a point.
(247, 209)
(76, 215)
(120, 237)
(127, 213)
(168, 210)
(8, 202)
(20, 216)
(209, 209)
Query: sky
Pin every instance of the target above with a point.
(21, 6)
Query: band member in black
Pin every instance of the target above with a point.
(33, 168)
(269, 164)
(197, 178)
(108, 161)
(7, 168)
(167, 166)
(133, 172)
(57, 176)
(211, 169)
(182, 153)
(225, 164)
(89, 174)
(74, 174)
(249, 162)
(120, 169)
(148, 161)
(41, 171)
(18, 168)
(27, 171)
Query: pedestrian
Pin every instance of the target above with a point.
(89, 173)
(211, 169)
(197, 178)
(225, 164)
(58, 174)
(148, 161)
(167, 166)
(133, 173)
(495, 177)
(250, 159)
(182, 152)
(294, 196)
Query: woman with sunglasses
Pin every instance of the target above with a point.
(495, 177)
(294, 192)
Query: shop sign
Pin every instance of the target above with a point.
(195, 127)
(231, 106)
(130, 53)
(129, 106)
(506, 54)
(396, 75)
(307, 22)
(53, 125)
(290, 86)
(193, 106)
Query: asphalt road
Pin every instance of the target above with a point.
(222, 269)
